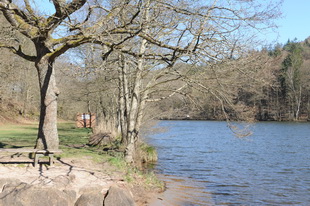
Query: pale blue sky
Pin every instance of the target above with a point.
(295, 22)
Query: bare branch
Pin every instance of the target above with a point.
(63, 11)
(168, 96)
(18, 19)
(19, 52)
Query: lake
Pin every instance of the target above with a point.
(203, 163)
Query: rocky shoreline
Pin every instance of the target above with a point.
(15, 193)
(70, 182)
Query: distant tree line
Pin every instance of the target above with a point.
(283, 94)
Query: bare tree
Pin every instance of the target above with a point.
(170, 32)
(49, 42)
(39, 30)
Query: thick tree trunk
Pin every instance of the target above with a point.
(47, 134)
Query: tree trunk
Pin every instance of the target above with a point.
(135, 109)
(298, 104)
(123, 99)
(47, 134)
(25, 106)
(132, 132)
(135, 106)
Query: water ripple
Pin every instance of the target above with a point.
(214, 168)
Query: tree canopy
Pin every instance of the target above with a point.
(146, 41)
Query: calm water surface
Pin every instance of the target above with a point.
(206, 165)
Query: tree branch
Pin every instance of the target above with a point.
(68, 45)
(19, 52)
(63, 11)
(168, 96)
(18, 19)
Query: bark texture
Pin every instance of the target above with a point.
(47, 134)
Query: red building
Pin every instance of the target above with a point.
(86, 120)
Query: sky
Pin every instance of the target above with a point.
(294, 23)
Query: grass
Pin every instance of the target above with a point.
(73, 143)
(25, 135)
(14, 136)
(71, 135)
(148, 153)
(72, 139)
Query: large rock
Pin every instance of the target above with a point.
(17, 193)
(90, 199)
(118, 197)
(4, 182)
(23, 194)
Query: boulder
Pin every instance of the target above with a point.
(24, 194)
(71, 194)
(118, 197)
(4, 182)
(90, 199)
(16, 193)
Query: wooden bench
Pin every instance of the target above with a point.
(37, 153)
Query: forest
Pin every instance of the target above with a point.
(134, 61)
(281, 93)
(277, 92)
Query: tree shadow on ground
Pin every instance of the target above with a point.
(5, 145)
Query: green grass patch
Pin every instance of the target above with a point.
(15, 136)
(148, 154)
(12, 136)
(69, 135)
(118, 162)
(73, 143)
(72, 140)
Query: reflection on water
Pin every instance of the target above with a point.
(272, 167)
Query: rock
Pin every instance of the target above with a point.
(61, 181)
(90, 199)
(8, 181)
(72, 195)
(14, 192)
(118, 197)
(91, 189)
(27, 195)
(12, 187)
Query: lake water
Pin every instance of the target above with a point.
(204, 164)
